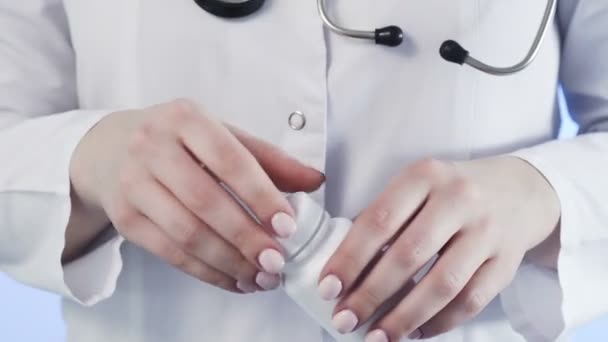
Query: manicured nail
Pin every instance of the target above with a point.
(271, 261)
(345, 321)
(376, 336)
(283, 224)
(330, 287)
(415, 335)
(246, 287)
(267, 281)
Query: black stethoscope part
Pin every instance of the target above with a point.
(230, 9)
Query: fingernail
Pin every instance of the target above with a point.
(376, 336)
(330, 287)
(415, 335)
(267, 281)
(283, 224)
(345, 321)
(246, 287)
(271, 261)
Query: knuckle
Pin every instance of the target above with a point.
(465, 190)
(215, 278)
(230, 158)
(447, 285)
(408, 325)
(200, 203)
(187, 236)
(183, 104)
(179, 159)
(225, 283)
(124, 217)
(483, 228)
(364, 299)
(224, 259)
(243, 269)
(174, 256)
(181, 111)
(233, 163)
(268, 197)
(143, 138)
(346, 266)
(473, 303)
(439, 325)
(205, 274)
(396, 324)
(132, 181)
(409, 256)
(380, 221)
(199, 199)
(429, 168)
(242, 239)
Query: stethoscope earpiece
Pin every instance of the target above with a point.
(389, 36)
(453, 52)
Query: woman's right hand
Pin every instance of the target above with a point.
(156, 172)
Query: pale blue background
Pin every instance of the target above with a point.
(28, 315)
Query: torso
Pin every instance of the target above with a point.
(370, 111)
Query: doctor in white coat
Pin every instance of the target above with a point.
(118, 118)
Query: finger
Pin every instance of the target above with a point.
(147, 235)
(191, 234)
(371, 231)
(213, 145)
(438, 288)
(491, 278)
(288, 174)
(431, 229)
(207, 200)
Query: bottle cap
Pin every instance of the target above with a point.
(308, 216)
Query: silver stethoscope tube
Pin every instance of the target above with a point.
(532, 53)
(450, 50)
(339, 29)
(389, 36)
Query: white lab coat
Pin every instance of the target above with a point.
(370, 111)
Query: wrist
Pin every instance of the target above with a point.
(524, 197)
(89, 167)
(543, 252)
(83, 175)
(94, 159)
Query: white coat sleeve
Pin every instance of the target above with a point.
(40, 126)
(543, 304)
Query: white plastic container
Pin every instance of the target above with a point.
(308, 250)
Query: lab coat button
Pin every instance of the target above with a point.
(297, 120)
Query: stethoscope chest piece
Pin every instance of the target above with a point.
(230, 8)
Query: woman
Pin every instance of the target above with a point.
(120, 117)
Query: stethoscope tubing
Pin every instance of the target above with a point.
(321, 7)
(450, 50)
(543, 29)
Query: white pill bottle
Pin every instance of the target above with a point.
(308, 250)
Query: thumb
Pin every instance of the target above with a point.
(288, 174)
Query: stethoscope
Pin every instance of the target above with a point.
(392, 35)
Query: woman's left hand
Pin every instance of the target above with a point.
(480, 217)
